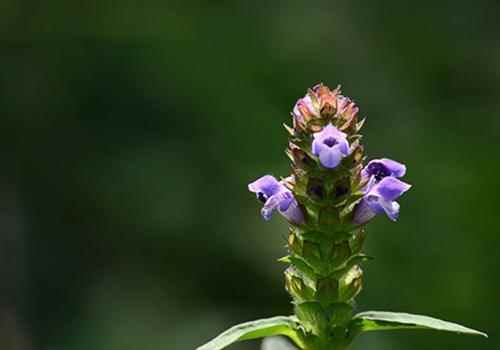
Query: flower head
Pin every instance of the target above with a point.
(330, 145)
(276, 196)
(382, 190)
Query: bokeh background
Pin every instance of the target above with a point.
(131, 129)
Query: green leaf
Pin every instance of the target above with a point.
(280, 325)
(382, 320)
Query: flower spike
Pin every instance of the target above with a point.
(328, 199)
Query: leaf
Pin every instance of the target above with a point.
(279, 325)
(277, 343)
(383, 320)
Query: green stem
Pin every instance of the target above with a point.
(323, 279)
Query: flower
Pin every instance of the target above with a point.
(276, 196)
(330, 145)
(381, 197)
(382, 190)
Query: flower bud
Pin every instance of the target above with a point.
(327, 100)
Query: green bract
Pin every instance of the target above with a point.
(328, 199)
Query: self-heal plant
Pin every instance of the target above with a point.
(328, 199)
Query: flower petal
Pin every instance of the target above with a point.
(286, 198)
(391, 208)
(397, 169)
(369, 185)
(280, 200)
(293, 213)
(363, 213)
(379, 205)
(286, 204)
(373, 201)
(389, 188)
(271, 204)
(330, 157)
(330, 145)
(344, 146)
(317, 146)
(386, 166)
(329, 131)
(267, 184)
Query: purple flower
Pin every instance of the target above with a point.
(275, 195)
(381, 198)
(380, 168)
(330, 145)
(382, 190)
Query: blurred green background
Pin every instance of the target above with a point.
(131, 129)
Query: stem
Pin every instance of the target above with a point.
(323, 279)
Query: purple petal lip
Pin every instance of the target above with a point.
(379, 206)
(330, 145)
(389, 189)
(276, 197)
(383, 167)
(382, 196)
(267, 185)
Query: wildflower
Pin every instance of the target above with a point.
(382, 190)
(276, 196)
(330, 145)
